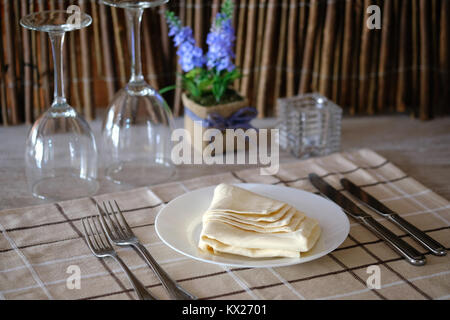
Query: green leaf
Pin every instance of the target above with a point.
(193, 73)
(205, 84)
(191, 88)
(167, 89)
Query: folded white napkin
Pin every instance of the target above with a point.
(244, 223)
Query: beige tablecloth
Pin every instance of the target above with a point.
(39, 244)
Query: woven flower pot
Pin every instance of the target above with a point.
(226, 116)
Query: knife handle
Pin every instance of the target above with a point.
(404, 249)
(435, 247)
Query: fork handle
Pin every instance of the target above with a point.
(140, 289)
(175, 291)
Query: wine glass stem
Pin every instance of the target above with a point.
(134, 16)
(57, 40)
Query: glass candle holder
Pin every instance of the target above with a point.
(310, 125)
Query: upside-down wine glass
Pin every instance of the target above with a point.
(61, 154)
(138, 126)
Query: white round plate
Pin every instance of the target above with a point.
(179, 225)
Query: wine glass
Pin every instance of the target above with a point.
(138, 125)
(61, 154)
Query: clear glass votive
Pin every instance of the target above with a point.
(310, 125)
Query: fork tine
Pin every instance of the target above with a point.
(106, 243)
(86, 235)
(119, 225)
(105, 225)
(93, 234)
(127, 227)
(111, 222)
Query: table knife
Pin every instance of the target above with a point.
(404, 249)
(369, 201)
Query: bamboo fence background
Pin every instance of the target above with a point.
(283, 47)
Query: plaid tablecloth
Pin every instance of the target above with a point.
(39, 244)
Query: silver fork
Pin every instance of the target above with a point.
(120, 233)
(102, 248)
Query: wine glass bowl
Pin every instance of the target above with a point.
(136, 138)
(61, 156)
(61, 153)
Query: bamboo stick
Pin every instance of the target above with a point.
(3, 103)
(261, 23)
(355, 83)
(315, 73)
(148, 53)
(3, 99)
(291, 49)
(434, 29)
(266, 56)
(189, 13)
(425, 77)
(117, 27)
(372, 72)
(326, 70)
(44, 70)
(74, 75)
(235, 15)
(35, 70)
(9, 48)
(249, 48)
(281, 54)
(364, 63)
(347, 59)
(198, 22)
(385, 56)
(415, 58)
(240, 34)
(394, 62)
(337, 62)
(27, 63)
(107, 58)
(178, 108)
(373, 68)
(165, 39)
(302, 23)
(19, 60)
(308, 58)
(403, 84)
(86, 76)
(97, 41)
(318, 52)
(215, 8)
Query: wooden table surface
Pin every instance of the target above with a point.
(421, 149)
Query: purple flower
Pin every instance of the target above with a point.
(221, 44)
(190, 55)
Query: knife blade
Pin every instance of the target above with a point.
(372, 203)
(413, 256)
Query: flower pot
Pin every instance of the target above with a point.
(198, 119)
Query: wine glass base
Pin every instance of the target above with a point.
(55, 21)
(140, 172)
(134, 4)
(64, 187)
